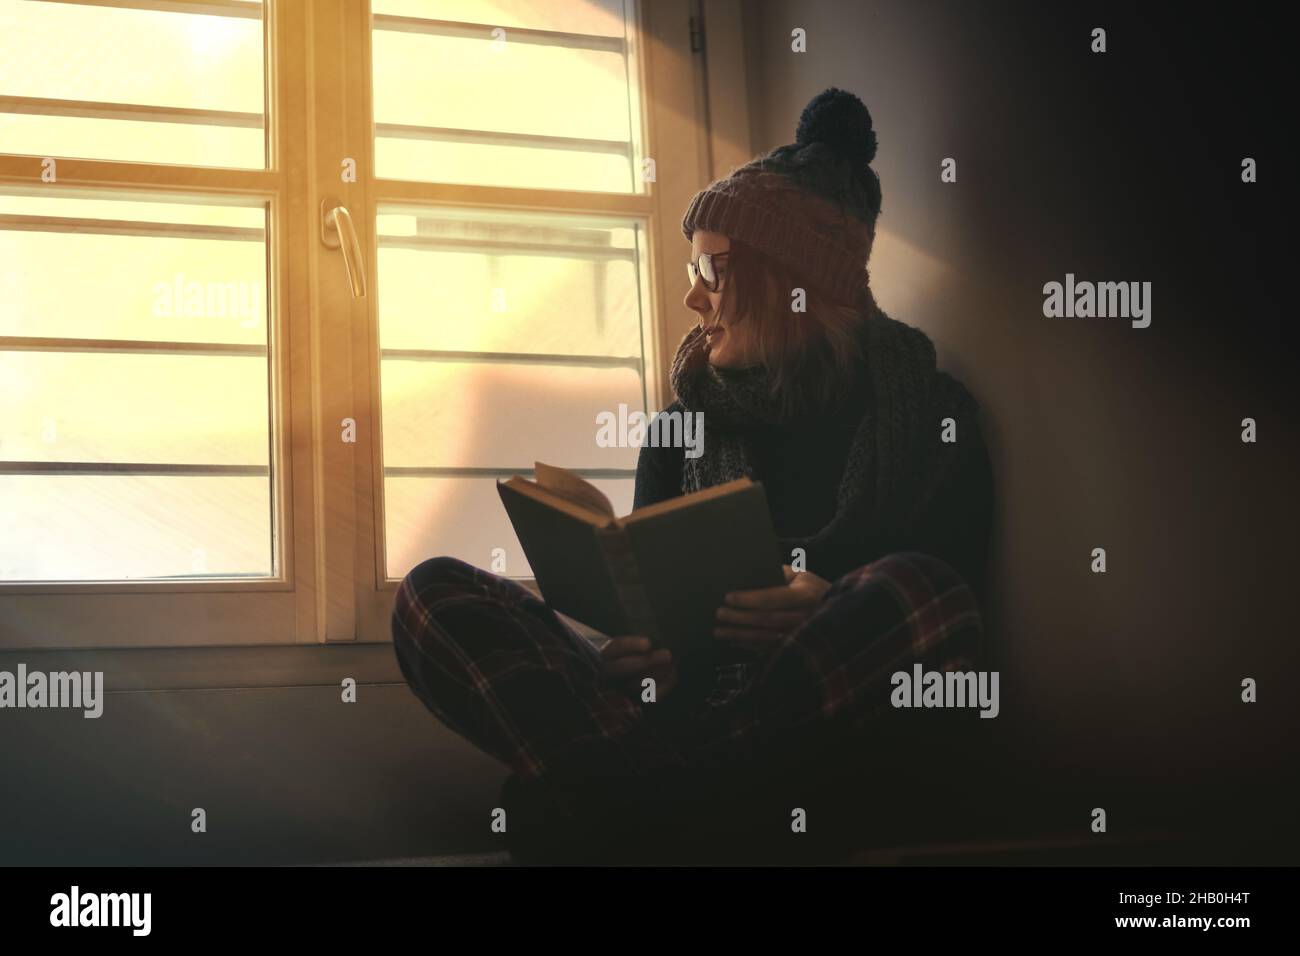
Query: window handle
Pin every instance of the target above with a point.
(338, 232)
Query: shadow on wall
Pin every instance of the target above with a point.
(1102, 435)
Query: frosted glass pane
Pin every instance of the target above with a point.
(507, 87)
(139, 57)
(66, 276)
(151, 288)
(564, 92)
(497, 284)
(449, 414)
(91, 527)
(521, 167)
(511, 301)
(103, 407)
(427, 517)
(132, 141)
(108, 207)
(598, 17)
(76, 52)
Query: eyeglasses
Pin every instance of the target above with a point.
(706, 268)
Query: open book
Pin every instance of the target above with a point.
(662, 571)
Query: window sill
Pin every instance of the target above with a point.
(210, 668)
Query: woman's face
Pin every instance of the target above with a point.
(729, 344)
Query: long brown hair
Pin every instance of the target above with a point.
(810, 355)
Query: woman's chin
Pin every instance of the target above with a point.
(718, 357)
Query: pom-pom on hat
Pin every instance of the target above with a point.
(810, 205)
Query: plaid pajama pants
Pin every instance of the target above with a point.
(497, 666)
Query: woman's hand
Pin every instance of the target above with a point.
(759, 620)
(627, 661)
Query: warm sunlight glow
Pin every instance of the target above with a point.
(89, 59)
(564, 289)
(135, 364)
(527, 95)
(137, 339)
(495, 102)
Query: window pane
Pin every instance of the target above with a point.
(509, 284)
(503, 337)
(105, 407)
(202, 288)
(164, 64)
(594, 17)
(426, 518)
(455, 415)
(133, 340)
(169, 144)
(128, 527)
(520, 167)
(494, 103)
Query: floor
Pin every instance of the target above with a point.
(294, 776)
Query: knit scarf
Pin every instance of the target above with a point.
(897, 460)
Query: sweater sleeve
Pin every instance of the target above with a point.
(658, 472)
(957, 525)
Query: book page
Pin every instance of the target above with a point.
(562, 482)
(689, 501)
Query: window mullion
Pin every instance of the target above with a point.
(324, 320)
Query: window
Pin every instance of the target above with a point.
(150, 82)
(530, 94)
(208, 434)
(136, 382)
(502, 335)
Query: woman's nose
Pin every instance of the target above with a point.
(697, 298)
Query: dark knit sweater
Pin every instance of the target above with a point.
(800, 465)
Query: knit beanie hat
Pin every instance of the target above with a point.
(810, 205)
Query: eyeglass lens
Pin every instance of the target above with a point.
(704, 269)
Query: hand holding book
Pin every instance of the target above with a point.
(756, 620)
(628, 660)
(760, 619)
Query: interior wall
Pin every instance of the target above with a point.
(284, 775)
(1122, 166)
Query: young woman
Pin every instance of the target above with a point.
(880, 492)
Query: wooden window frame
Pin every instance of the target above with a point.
(232, 612)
